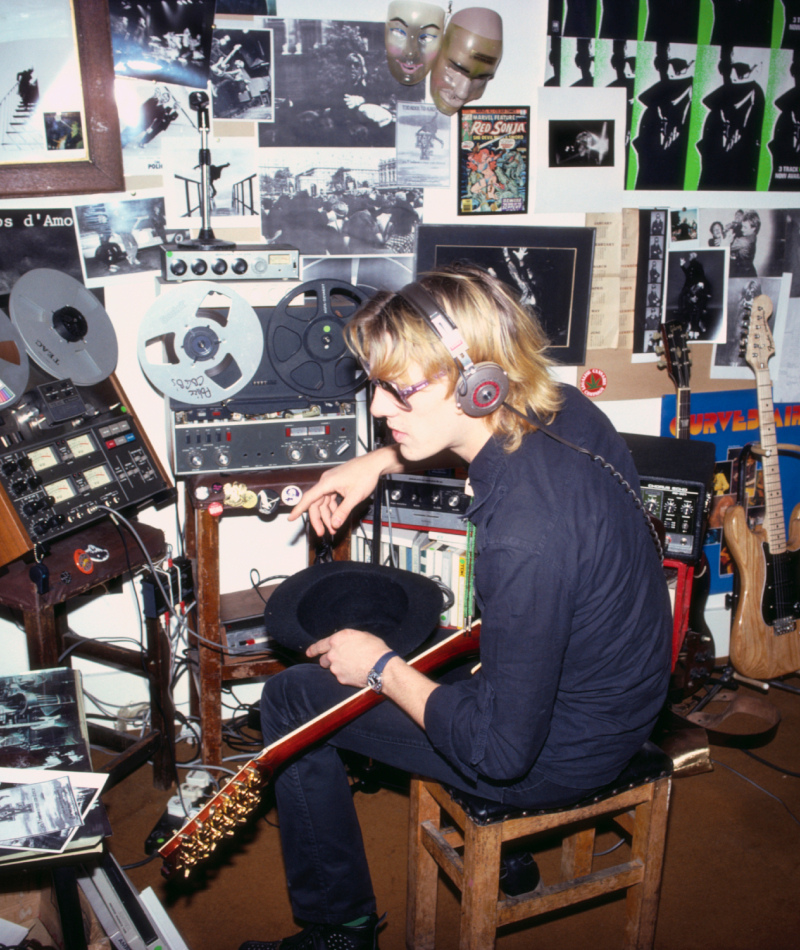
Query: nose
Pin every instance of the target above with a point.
(461, 85)
(382, 404)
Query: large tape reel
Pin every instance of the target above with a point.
(200, 356)
(14, 365)
(306, 341)
(65, 328)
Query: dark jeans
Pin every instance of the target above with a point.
(323, 851)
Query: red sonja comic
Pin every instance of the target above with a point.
(493, 160)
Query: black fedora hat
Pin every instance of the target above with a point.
(400, 607)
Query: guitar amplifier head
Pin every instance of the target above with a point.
(676, 477)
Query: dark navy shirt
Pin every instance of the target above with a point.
(576, 619)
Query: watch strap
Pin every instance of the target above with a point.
(374, 680)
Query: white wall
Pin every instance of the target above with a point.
(276, 548)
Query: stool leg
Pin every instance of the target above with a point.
(479, 892)
(649, 842)
(423, 872)
(576, 854)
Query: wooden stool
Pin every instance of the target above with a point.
(637, 802)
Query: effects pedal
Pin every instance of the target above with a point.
(181, 262)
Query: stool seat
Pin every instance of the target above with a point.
(649, 764)
(462, 835)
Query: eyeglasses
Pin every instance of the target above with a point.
(401, 394)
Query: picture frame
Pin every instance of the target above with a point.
(101, 170)
(549, 267)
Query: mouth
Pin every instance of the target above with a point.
(410, 68)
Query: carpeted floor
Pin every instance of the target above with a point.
(730, 878)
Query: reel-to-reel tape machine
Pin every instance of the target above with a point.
(253, 389)
(70, 444)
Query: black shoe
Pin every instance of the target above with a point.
(519, 873)
(327, 937)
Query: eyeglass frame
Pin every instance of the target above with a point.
(400, 394)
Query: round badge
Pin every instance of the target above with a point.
(201, 493)
(593, 382)
(290, 495)
(83, 562)
(216, 508)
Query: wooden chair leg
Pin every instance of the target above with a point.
(480, 886)
(423, 872)
(576, 854)
(649, 842)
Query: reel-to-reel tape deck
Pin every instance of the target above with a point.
(253, 389)
(70, 444)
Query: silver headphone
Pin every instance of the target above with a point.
(483, 386)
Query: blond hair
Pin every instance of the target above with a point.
(388, 334)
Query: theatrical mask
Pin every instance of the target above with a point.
(471, 51)
(413, 38)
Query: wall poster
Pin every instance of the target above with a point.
(493, 160)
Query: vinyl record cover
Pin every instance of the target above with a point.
(493, 160)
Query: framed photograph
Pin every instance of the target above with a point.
(493, 160)
(55, 57)
(550, 268)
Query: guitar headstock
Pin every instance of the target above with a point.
(218, 819)
(676, 357)
(757, 345)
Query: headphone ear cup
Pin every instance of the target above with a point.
(483, 391)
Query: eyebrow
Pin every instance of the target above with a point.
(427, 26)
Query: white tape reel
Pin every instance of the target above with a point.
(14, 365)
(64, 326)
(199, 355)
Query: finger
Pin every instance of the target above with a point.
(319, 647)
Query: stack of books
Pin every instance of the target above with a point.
(436, 554)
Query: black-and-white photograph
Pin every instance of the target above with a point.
(581, 144)
(39, 78)
(696, 293)
(728, 361)
(321, 208)
(167, 42)
(40, 815)
(232, 180)
(33, 238)
(683, 225)
(423, 146)
(333, 86)
(40, 723)
(241, 75)
(123, 237)
(369, 273)
(153, 118)
(247, 7)
(755, 237)
(550, 268)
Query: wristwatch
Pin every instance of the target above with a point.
(374, 678)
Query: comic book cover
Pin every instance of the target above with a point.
(493, 160)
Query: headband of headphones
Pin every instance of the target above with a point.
(483, 386)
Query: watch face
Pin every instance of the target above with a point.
(374, 681)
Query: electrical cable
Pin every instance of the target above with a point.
(760, 788)
(771, 765)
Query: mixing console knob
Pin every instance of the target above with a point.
(322, 452)
(196, 460)
(295, 453)
(219, 266)
(223, 459)
(199, 267)
(239, 266)
(9, 467)
(453, 501)
(178, 268)
(395, 494)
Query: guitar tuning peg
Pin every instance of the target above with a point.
(662, 364)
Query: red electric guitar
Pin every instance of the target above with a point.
(230, 807)
(765, 633)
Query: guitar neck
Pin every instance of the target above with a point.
(770, 463)
(682, 413)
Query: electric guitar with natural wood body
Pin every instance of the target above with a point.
(765, 633)
(232, 804)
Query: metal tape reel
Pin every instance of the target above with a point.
(14, 365)
(65, 327)
(204, 355)
(306, 342)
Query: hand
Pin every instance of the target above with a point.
(330, 502)
(376, 113)
(353, 102)
(349, 655)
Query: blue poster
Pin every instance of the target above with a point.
(730, 421)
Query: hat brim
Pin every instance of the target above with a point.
(401, 607)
